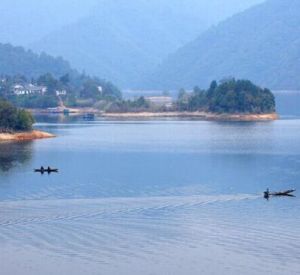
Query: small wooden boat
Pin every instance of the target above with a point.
(48, 170)
(287, 193)
(283, 193)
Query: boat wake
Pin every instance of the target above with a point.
(106, 231)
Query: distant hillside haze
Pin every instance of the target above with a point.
(125, 40)
(261, 44)
(24, 21)
(17, 61)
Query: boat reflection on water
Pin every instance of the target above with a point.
(12, 154)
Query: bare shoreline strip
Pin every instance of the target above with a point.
(32, 135)
(199, 115)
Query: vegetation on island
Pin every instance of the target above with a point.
(13, 119)
(229, 96)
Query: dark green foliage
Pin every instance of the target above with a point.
(79, 88)
(90, 90)
(65, 79)
(24, 121)
(192, 101)
(137, 105)
(34, 101)
(50, 82)
(18, 61)
(8, 116)
(86, 87)
(230, 96)
(110, 91)
(241, 96)
(96, 89)
(13, 119)
(19, 66)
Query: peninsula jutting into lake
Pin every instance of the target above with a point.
(16, 124)
(229, 99)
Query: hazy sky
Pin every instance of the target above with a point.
(25, 21)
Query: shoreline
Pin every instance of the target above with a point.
(199, 115)
(25, 136)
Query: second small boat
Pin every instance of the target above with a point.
(287, 193)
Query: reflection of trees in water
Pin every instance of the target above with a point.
(13, 154)
(57, 118)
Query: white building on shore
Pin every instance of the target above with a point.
(160, 101)
(61, 92)
(29, 90)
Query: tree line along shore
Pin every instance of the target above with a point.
(229, 99)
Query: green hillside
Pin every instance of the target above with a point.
(18, 61)
(125, 40)
(261, 44)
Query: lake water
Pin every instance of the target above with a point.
(153, 197)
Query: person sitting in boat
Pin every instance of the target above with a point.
(42, 168)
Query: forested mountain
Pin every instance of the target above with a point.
(18, 61)
(261, 44)
(124, 40)
(23, 67)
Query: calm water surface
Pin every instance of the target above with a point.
(152, 197)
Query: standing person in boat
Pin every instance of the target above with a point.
(267, 193)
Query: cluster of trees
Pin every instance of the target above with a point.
(13, 119)
(228, 96)
(80, 90)
(122, 106)
(20, 66)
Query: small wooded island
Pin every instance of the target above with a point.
(16, 124)
(231, 99)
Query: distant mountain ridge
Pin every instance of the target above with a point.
(125, 40)
(261, 44)
(23, 22)
(18, 61)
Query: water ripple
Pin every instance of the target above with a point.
(103, 230)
